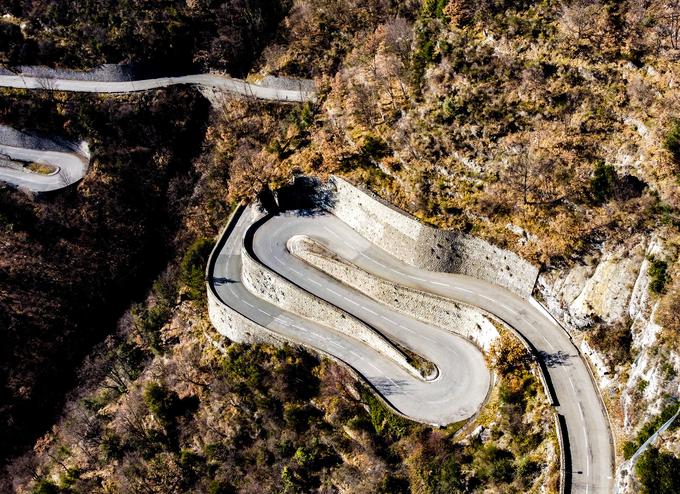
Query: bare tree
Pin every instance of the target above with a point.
(579, 18)
(669, 24)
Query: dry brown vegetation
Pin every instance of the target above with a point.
(504, 115)
(555, 117)
(72, 261)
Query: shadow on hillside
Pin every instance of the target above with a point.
(308, 196)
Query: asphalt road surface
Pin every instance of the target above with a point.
(463, 383)
(455, 394)
(70, 167)
(216, 81)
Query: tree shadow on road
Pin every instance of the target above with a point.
(222, 281)
(555, 359)
(387, 386)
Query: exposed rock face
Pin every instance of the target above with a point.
(601, 288)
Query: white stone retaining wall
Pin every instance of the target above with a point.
(426, 247)
(439, 311)
(266, 284)
(237, 327)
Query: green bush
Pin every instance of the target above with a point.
(44, 486)
(658, 275)
(603, 182)
(650, 428)
(162, 403)
(385, 421)
(658, 472)
(494, 463)
(446, 477)
(192, 268)
(672, 141)
(374, 147)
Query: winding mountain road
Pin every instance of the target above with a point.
(455, 394)
(70, 166)
(451, 396)
(463, 381)
(214, 81)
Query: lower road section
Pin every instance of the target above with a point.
(463, 381)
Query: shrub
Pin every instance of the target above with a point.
(446, 476)
(373, 146)
(614, 340)
(508, 355)
(44, 486)
(192, 268)
(650, 428)
(667, 316)
(672, 141)
(603, 182)
(162, 403)
(657, 472)
(385, 421)
(658, 274)
(495, 463)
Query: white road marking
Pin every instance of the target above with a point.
(300, 328)
(314, 281)
(377, 262)
(249, 304)
(331, 232)
(373, 366)
(369, 310)
(477, 293)
(416, 277)
(548, 343)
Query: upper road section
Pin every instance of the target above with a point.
(214, 81)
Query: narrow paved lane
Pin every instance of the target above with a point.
(588, 438)
(216, 81)
(69, 168)
(456, 393)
